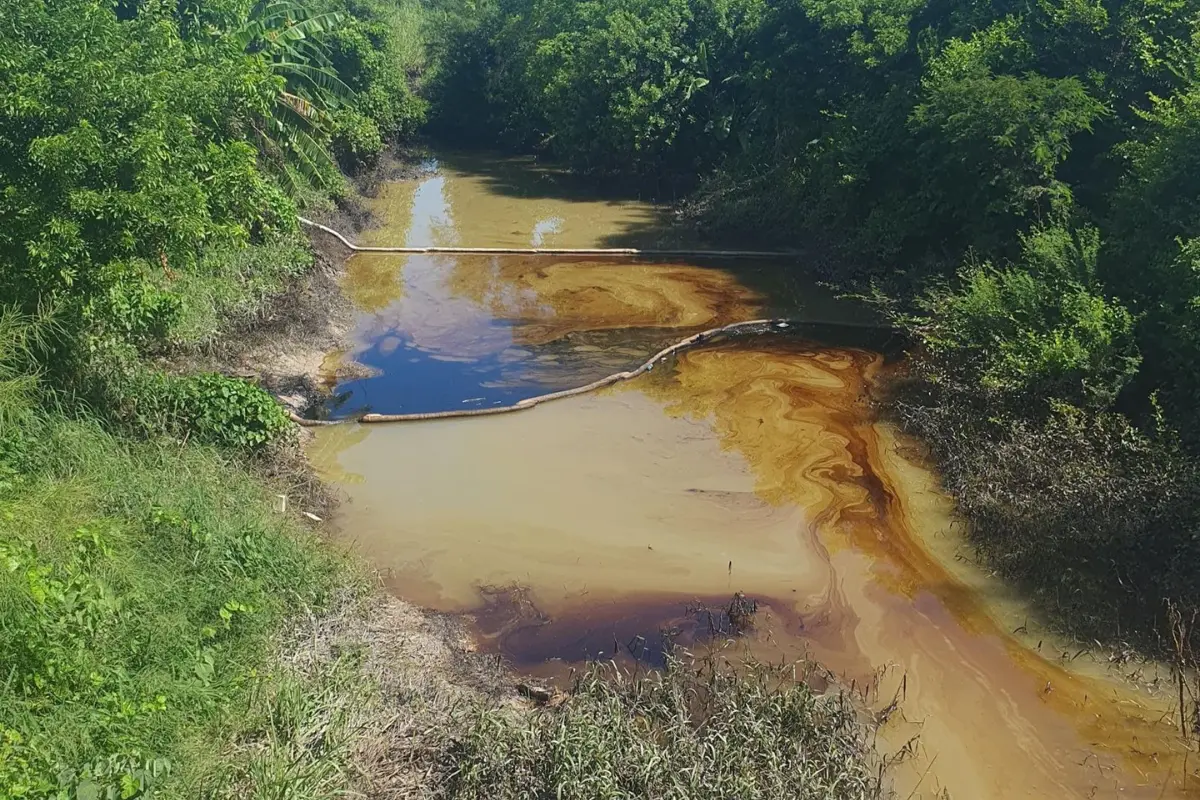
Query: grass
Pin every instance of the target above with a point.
(230, 285)
(300, 736)
(699, 730)
(141, 588)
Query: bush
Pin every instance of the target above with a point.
(1037, 328)
(116, 153)
(357, 143)
(134, 310)
(378, 53)
(226, 412)
(207, 408)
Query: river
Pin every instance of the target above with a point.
(590, 525)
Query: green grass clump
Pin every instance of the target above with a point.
(230, 285)
(696, 731)
(142, 588)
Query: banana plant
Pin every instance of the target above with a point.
(288, 36)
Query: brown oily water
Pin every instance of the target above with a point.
(586, 527)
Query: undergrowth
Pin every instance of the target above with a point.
(699, 730)
(229, 286)
(141, 584)
(1094, 518)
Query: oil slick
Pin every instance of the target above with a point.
(437, 329)
(591, 524)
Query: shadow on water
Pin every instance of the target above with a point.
(532, 177)
(528, 177)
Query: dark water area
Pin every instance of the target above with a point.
(411, 380)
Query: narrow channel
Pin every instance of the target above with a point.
(587, 527)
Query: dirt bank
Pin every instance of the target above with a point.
(390, 688)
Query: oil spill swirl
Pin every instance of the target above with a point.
(593, 524)
(605, 518)
(800, 416)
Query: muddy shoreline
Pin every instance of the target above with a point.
(286, 347)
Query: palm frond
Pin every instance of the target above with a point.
(271, 23)
(295, 145)
(288, 36)
(324, 82)
(301, 106)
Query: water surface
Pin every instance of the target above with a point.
(448, 331)
(589, 526)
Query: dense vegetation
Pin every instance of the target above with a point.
(152, 160)
(1017, 182)
(153, 156)
(141, 584)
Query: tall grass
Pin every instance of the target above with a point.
(408, 20)
(230, 286)
(697, 731)
(17, 383)
(141, 585)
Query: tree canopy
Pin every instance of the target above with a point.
(1027, 163)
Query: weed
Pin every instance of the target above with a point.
(140, 585)
(227, 412)
(700, 729)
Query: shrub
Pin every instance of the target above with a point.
(1039, 327)
(357, 142)
(116, 153)
(225, 411)
(135, 310)
(377, 54)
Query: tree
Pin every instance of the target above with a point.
(120, 152)
(293, 137)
